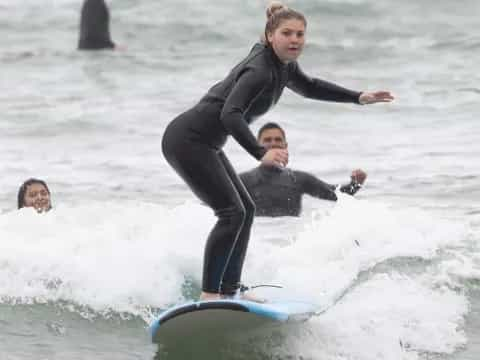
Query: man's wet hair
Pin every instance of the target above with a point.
(23, 190)
(268, 126)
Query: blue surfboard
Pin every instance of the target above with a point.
(225, 318)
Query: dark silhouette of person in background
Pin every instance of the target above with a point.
(95, 26)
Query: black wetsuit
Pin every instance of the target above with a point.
(94, 26)
(192, 144)
(279, 192)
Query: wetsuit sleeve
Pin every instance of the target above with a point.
(247, 88)
(317, 89)
(315, 187)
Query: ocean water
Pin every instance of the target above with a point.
(399, 264)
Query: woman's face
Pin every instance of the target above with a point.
(288, 39)
(37, 196)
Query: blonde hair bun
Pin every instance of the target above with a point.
(274, 7)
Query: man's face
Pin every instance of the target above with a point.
(273, 139)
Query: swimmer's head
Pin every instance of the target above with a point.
(34, 193)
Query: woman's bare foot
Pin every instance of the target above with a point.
(210, 296)
(248, 296)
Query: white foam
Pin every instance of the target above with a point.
(389, 317)
(331, 251)
(386, 314)
(104, 256)
(131, 257)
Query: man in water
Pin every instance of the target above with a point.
(94, 26)
(278, 191)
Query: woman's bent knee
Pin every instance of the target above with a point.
(236, 215)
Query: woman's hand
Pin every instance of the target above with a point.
(275, 157)
(374, 97)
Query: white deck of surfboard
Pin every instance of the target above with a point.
(217, 318)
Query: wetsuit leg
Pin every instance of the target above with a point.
(233, 270)
(204, 171)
